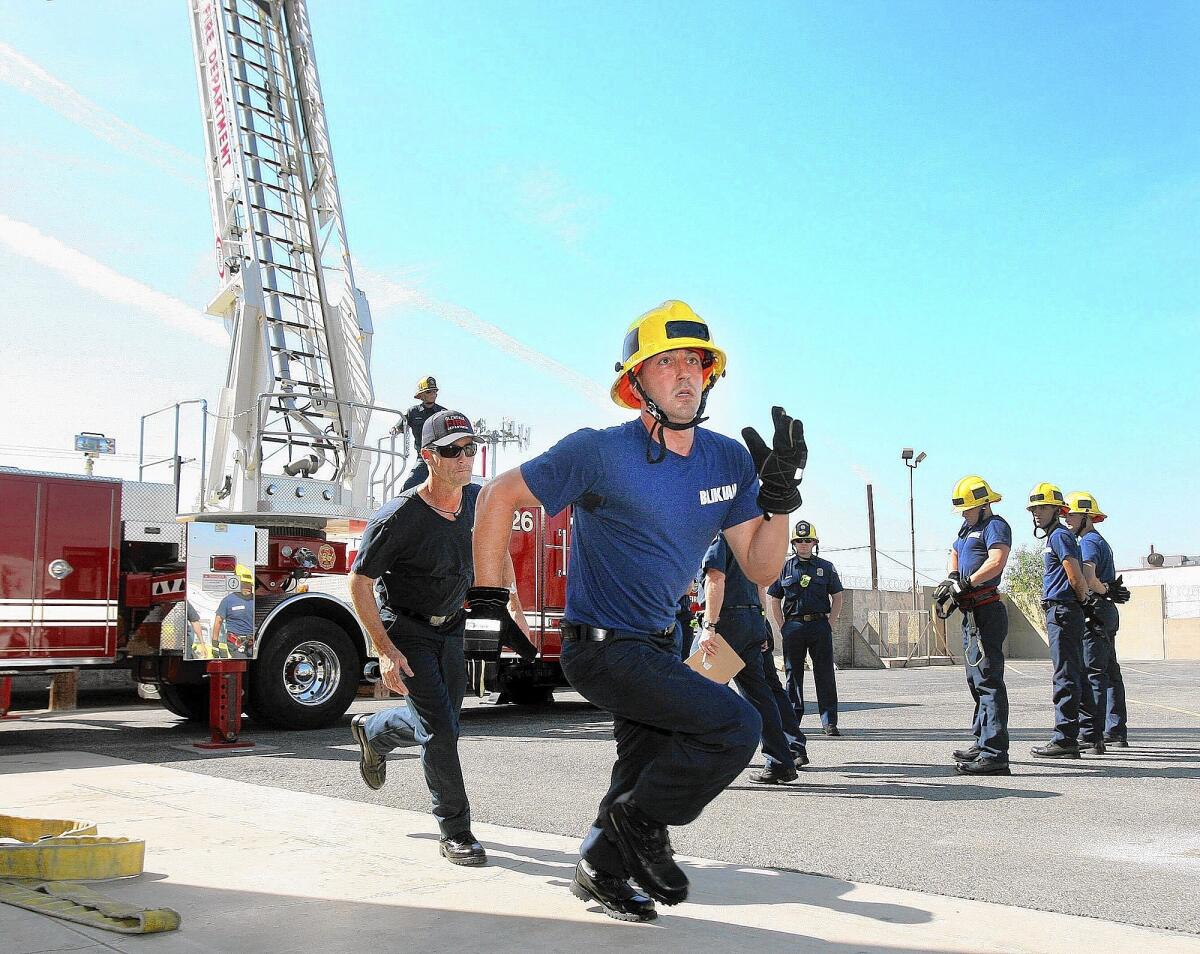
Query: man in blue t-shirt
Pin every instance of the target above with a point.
(975, 567)
(806, 601)
(233, 625)
(1064, 595)
(648, 497)
(1108, 722)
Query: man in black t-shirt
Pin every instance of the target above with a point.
(408, 584)
(414, 422)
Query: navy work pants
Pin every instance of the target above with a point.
(984, 631)
(814, 638)
(681, 738)
(418, 476)
(430, 718)
(796, 739)
(1097, 648)
(1109, 619)
(742, 628)
(1065, 626)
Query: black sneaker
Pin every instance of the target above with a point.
(1056, 750)
(983, 766)
(463, 849)
(617, 896)
(801, 758)
(646, 849)
(775, 775)
(1117, 741)
(967, 755)
(831, 730)
(371, 765)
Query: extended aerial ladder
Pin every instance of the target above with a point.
(291, 432)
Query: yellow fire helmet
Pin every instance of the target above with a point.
(244, 573)
(805, 531)
(671, 325)
(1082, 502)
(426, 384)
(973, 491)
(1045, 493)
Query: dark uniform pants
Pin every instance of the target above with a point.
(742, 628)
(1097, 648)
(816, 639)
(418, 476)
(984, 631)
(1065, 626)
(1109, 619)
(681, 739)
(430, 719)
(796, 739)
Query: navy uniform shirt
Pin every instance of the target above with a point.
(416, 416)
(1059, 545)
(238, 613)
(421, 560)
(1098, 553)
(974, 542)
(640, 529)
(805, 586)
(739, 591)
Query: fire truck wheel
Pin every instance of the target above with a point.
(305, 676)
(527, 694)
(188, 701)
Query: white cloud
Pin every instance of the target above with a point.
(21, 73)
(26, 241)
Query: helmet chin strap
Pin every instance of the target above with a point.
(662, 421)
(1045, 531)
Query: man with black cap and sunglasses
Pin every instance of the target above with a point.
(407, 584)
(649, 496)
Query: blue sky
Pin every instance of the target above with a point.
(971, 229)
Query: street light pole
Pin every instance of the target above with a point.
(911, 463)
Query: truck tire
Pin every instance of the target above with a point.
(190, 701)
(305, 676)
(523, 693)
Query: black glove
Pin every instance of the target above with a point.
(490, 625)
(1089, 607)
(777, 466)
(1117, 591)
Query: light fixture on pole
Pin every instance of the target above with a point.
(911, 463)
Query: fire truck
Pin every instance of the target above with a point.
(241, 602)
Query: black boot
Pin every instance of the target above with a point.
(983, 766)
(1057, 750)
(463, 849)
(775, 775)
(967, 755)
(371, 765)
(646, 849)
(801, 756)
(616, 895)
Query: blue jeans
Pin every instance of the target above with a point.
(681, 739)
(796, 739)
(1064, 626)
(742, 628)
(430, 719)
(814, 638)
(984, 631)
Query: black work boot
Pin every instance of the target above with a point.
(983, 766)
(1095, 745)
(775, 775)
(801, 757)
(371, 765)
(616, 895)
(1056, 750)
(1118, 741)
(462, 849)
(967, 755)
(646, 849)
(832, 730)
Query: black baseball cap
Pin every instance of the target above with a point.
(446, 427)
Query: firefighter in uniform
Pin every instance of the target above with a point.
(1065, 597)
(1107, 724)
(976, 565)
(233, 626)
(806, 601)
(649, 497)
(414, 421)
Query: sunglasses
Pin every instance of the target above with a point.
(456, 450)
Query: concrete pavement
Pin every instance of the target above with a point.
(253, 867)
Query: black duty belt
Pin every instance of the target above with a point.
(753, 606)
(428, 620)
(805, 617)
(1046, 604)
(579, 632)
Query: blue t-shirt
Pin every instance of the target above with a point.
(640, 529)
(238, 613)
(1096, 551)
(805, 586)
(974, 542)
(739, 591)
(1059, 545)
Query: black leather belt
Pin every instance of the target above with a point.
(434, 621)
(579, 632)
(1046, 604)
(805, 617)
(753, 606)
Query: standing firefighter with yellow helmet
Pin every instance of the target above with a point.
(1100, 634)
(1064, 598)
(650, 495)
(974, 570)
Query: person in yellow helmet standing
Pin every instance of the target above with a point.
(649, 496)
(233, 625)
(1107, 722)
(414, 422)
(1065, 596)
(976, 566)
